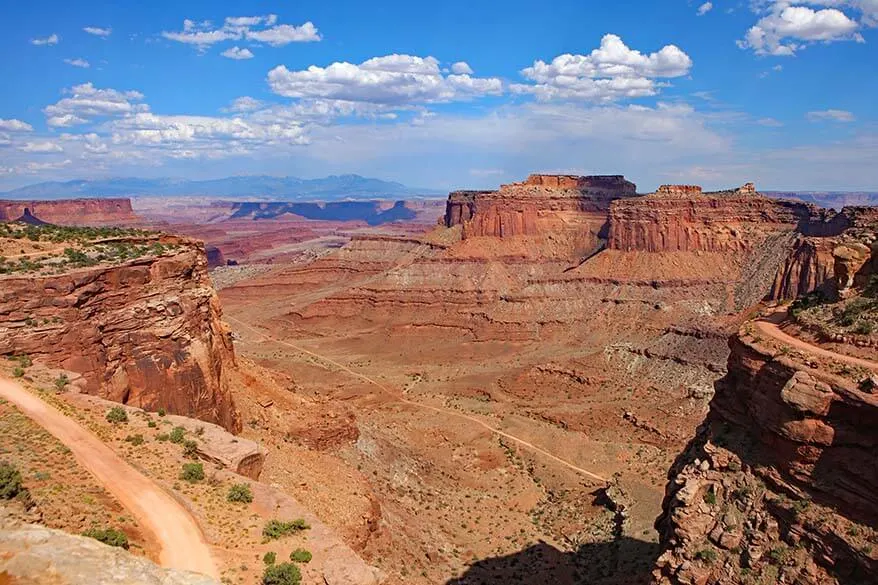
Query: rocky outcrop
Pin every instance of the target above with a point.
(146, 333)
(570, 208)
(831, 255)
(97, 212)
(682, 218)
(780, 484)
(35, 555)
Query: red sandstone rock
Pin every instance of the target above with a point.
(72, 211)
(146, 333)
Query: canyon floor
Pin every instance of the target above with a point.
(474, 461)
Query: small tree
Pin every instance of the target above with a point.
(240, 492)
(117, 415)
(10, 481)
(282, 574)
(192, 472)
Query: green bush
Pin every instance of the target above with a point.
(151, 424)
(109, 536)
(61, 382)
(190, 449)
(135, 440)
(269, 558)
(117, 415)
(18, 371)
(10, 481)
(162, 437)
(710, 497)
(300, 555)
(275, 529)
(192, 472)
(240, 492)
(177, 435)
(282, 574)
(162, 412)
(708, 555)
(24, 360)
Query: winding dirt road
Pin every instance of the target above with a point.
(398, 397)
(771, 329)
(170, 524)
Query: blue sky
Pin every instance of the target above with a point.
(444, 95)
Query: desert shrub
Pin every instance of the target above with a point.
(274, 529)
(300, 555)
(240, 492)
(162, 412)
(192, 472)
(61, 382)
(852, 311)
(117, 415)
(109, 536)
(807, 301)
(135, 440)
(151, 424)
(190, 448)
(710, 497)
(10, 481)
(162, 437)
(282, 574)
(177, 435)
(269, 558)
(864, 327)
(24, 360)
(18, 371)
(708, 555)
(871, 289)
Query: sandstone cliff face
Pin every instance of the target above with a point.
(831, 254)
(681, 218)
(72, 211)
(780, 484)
(571, 208)
(146, 333)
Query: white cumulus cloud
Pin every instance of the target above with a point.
(705, 8)
(609, 73)
(786, 29)
(43, 147)
(830, 116)
(259, 29)
(85, 102)
(237, 53)
(391, 79)
(52, 39)
(462, 68)
(98, 31)
(13, 125)
(78, 63)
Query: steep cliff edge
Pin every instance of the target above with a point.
(570, 210)
(71, 211)
(135, 316)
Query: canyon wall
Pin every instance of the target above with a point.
(569, 207)
(683, 218)
(146, 333)
(780, 483)
(98, 212)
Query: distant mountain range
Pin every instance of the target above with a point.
(832, 199)
(335, 187)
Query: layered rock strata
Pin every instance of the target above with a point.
(97, 212)
(146, 333)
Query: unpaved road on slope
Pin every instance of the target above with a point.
(397, 396)
(175, 530)
(772, 330)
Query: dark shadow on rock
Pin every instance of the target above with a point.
(625, 561)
